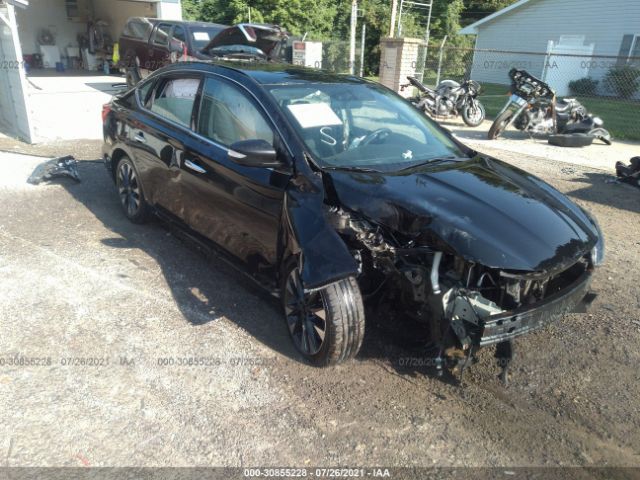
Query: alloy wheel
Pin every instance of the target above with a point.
(306, 315)
(128, 189)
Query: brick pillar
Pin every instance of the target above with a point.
(398, 59)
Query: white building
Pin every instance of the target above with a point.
(577, 38)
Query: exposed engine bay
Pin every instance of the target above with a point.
(457, 300)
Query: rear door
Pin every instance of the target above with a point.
(238, 207)
(159, 47)
(162, 135)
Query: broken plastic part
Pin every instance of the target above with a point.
(56, 168)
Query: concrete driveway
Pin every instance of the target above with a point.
(137, 351)
(69, 105)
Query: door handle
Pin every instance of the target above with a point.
(194, 166)
(139, 137)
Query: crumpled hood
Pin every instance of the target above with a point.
(485, 210)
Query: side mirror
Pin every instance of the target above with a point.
(254, 153)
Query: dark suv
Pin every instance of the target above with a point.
(147, 44)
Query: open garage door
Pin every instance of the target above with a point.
(14, 112)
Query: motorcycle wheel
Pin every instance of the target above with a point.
(500, 124)
(473, 116)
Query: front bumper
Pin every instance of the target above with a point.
(506, 326)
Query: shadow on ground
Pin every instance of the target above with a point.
(207, 288)
(605, 189)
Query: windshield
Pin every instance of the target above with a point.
(201, 36)
(362, 126)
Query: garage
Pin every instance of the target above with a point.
(57, 56)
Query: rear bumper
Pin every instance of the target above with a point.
(507, 326)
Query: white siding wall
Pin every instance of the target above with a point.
(530, 27)
(14, 112)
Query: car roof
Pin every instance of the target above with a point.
(271, 73)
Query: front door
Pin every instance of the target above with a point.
(237, 207)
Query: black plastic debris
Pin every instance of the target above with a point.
(629, 173)
(56, 168)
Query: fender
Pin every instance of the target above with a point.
(323, 257)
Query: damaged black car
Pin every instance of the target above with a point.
(333, 192)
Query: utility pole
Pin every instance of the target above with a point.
(364, 33)
(394, 8)
(352, 43)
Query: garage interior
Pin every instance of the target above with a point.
(58, 64)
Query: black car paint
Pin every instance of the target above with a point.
(482, 209)
(478, 208)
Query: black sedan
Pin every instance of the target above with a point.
(331, 189)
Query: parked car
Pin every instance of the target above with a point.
(334, 192)
(147, 44)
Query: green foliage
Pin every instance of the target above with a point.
(584, 86)
(624, 80)
(190, 9)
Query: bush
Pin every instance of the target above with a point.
(625, 80)
(584, 86)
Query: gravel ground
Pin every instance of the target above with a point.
(78, 281)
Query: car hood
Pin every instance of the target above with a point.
(267, 38)
(482, 209)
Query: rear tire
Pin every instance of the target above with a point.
(500, 124)
(326, 326)
(574, 140)
(473, 116)
(130, 192)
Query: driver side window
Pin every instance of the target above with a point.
(228, 116)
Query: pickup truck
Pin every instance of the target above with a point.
(147, 44)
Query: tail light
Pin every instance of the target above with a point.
(106, 110)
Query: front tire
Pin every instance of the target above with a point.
(327, 325)
(473, 115)
(132, 199)
(500, 124)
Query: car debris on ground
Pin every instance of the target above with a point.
(57, 168)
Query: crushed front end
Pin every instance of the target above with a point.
(464, 305)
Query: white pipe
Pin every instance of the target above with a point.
(435, 274)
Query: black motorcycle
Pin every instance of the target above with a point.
(534, 108)
(449, 100)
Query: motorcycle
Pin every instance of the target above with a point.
(449, 100)
(534, 108)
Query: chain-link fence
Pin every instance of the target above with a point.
(607, 86)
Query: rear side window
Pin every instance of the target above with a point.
(174, 100)
(162, 34)
(227, 115)
(138, 28)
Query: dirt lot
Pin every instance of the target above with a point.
(78, 281)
